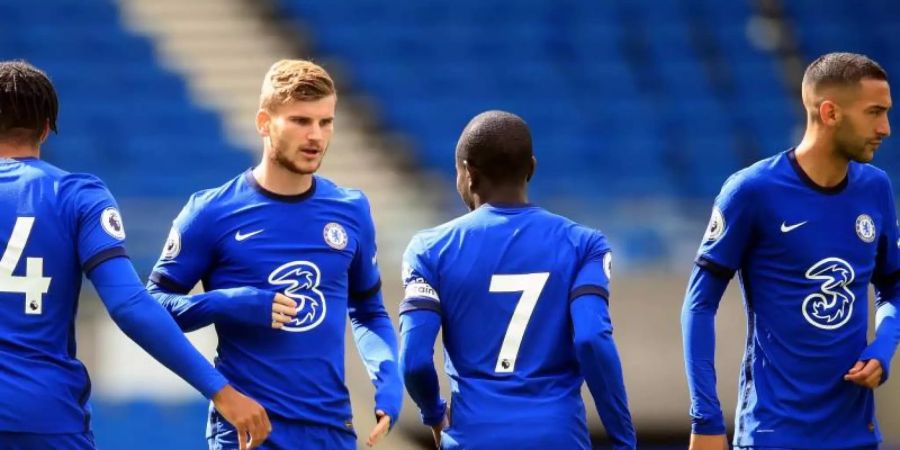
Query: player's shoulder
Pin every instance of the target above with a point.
(438, 236)
(577, 234)
(75, 185)
(429, 237)
(871, 174)
(549, 224)
(756, 176)
(32, 169)
(208, 201)
(328, 189)
(79, 180)
(757, 173)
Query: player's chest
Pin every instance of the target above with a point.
(813, 227)
(273, 247)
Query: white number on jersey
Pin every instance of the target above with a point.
(34, 284)
(530, 285)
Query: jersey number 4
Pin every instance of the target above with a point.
(530, 285)
(34, 284)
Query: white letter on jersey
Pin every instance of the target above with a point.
(530, 285)
(34, 284)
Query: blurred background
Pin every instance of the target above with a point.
(639, 108)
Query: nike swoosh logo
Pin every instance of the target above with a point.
(240, 237)
(788, 228)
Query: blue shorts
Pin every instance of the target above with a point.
(34, 441)
(286, 435)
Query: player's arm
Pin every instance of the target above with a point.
(245, 306)
(723, 248)
(887, 336)
(418, 332)
(373, 331)
(874, 364)
(420, 321)
(594, 345)
(100, 237)
(148, 325)
(376, 341)
(698, 327)
(601, 367)
(186, 258)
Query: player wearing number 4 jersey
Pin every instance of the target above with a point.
(522, 296)
(807, 230)
(54, 226)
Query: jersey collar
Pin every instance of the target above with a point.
(509, 205)
(251, 180)
(19, 158)
(836, 189)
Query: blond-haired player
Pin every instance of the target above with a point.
(286, 256)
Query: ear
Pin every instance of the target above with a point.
(830, 113)
(532, 169)
(262, 122)
(473, 176)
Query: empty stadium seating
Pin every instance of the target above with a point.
(871, 27)
(619, 94)
(123, 116)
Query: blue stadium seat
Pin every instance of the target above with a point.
(629, 75)
(123, 116)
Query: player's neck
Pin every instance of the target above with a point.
(503, 195)
(821, 163)
(281, 181)
(8, 150)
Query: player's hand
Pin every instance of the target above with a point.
(247, 417)
(708, 442)
(437, 429)
(866, 373)
(381, 428)
(284, 309)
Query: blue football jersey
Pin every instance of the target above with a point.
(501, 279)
(54, 226)
(805, 256)
(317, 248)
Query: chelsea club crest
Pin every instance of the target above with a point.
(865, 228)
(335, 236)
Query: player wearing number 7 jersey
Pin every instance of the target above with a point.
(55, 226)
(522, 295)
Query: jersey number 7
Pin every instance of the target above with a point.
(530, 285)
(34, 284)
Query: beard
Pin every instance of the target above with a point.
(280, 158)
(852, 146)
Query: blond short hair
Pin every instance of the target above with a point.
(295, 80)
